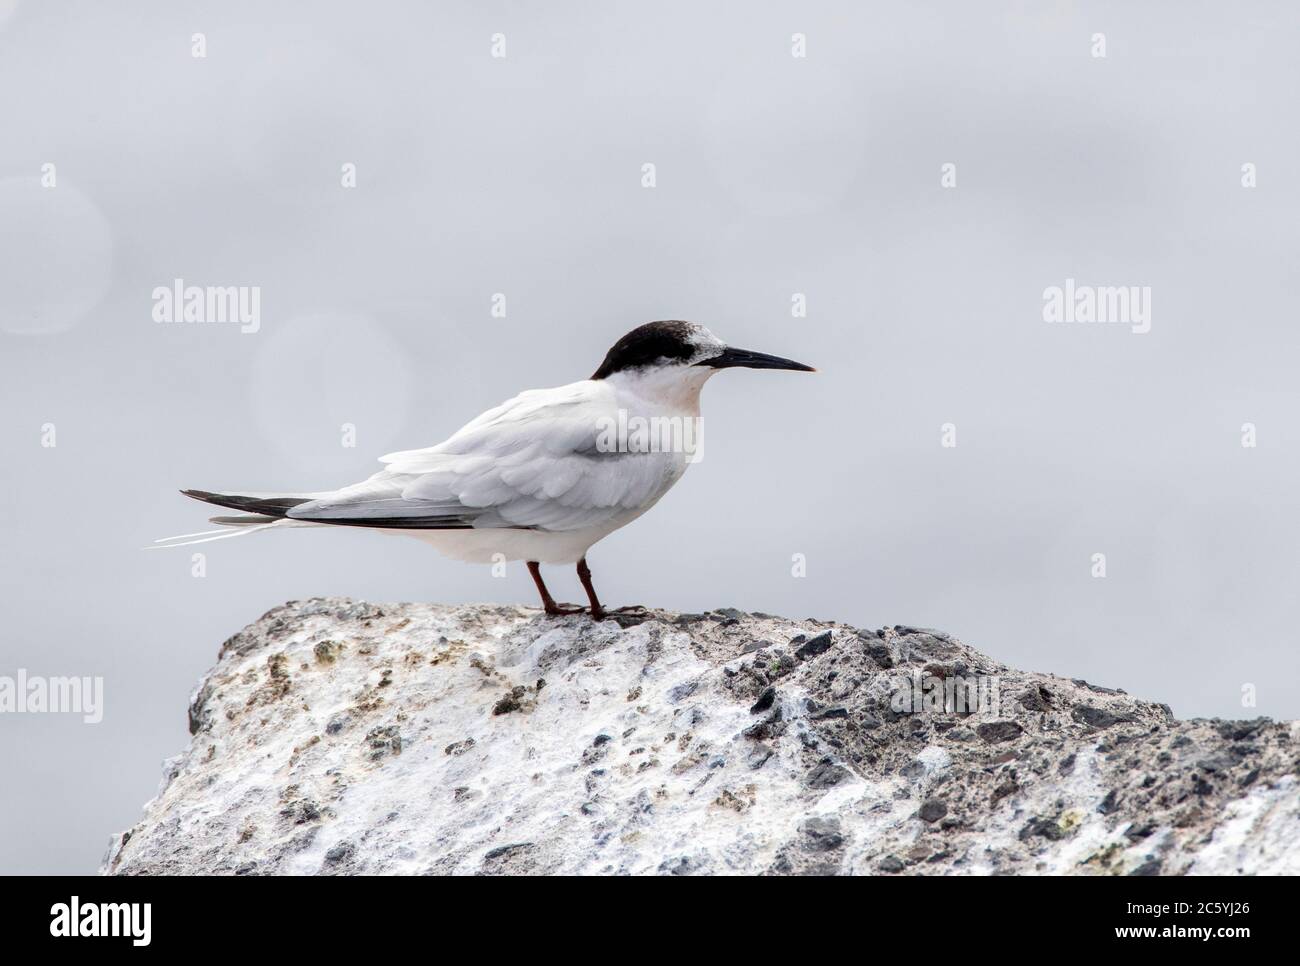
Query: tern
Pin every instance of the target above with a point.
(540, 478)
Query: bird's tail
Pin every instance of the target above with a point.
(264, 510)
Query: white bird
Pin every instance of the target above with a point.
(540, 478)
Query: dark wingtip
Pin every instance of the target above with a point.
(274, 506)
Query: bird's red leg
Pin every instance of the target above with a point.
(548, 602)
(627, 616)
(584, 574)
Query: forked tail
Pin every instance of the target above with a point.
(263, 511)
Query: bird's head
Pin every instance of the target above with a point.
(683, 346)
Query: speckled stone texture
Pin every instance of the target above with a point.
(336, 736)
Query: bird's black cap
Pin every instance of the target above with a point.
(646, 345)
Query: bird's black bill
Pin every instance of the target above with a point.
(730, 358)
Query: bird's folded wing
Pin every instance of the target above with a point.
(533, 462)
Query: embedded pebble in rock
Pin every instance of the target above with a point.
(340, 737)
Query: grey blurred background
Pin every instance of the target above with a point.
(775, 175)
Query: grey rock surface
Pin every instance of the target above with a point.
(336, 736)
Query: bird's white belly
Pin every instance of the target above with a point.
(484, 545)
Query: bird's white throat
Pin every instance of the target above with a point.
(669, 390)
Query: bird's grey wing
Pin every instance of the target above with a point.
(379, 502)
(534, 462)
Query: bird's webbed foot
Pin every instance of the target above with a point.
(564, 610)
(625, 616)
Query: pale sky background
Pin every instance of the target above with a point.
(775, 175)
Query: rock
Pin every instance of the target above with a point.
(1098, 718)
(340, 853)
(826, 775)
(878, 650)
(1008, 787)
(814, 646)
(682, 691)
(822, 834)
(340, 737)
(1240, 730)
(1048, 828)
(513, 859)
(995, 731)
(932, 810)
(827, 714)
(386, 740)
(764, 701)
(509, 701)
(1036, 699)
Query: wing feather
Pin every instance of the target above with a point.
(532, 462)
